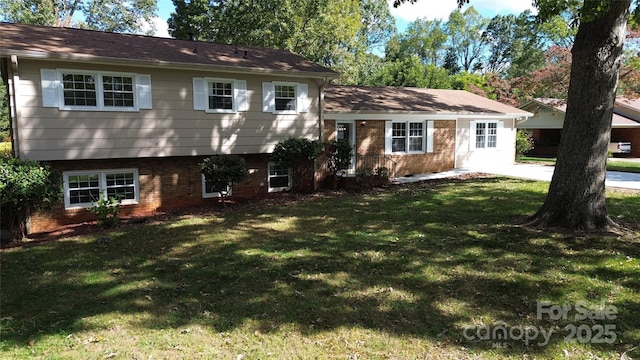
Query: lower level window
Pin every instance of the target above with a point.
(209, 189)
(83, 188)
(279, 178)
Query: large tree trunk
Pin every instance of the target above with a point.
(576, 198)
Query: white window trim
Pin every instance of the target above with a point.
(427, 137)
(207, 195)
(137, 94)
(295, 97)
(102, 181)
(472, 133)
(269, 97)
(277, 189)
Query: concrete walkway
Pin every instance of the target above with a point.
(529, 171)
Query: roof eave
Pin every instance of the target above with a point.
(42, 55)
(384, 115)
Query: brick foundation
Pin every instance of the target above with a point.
(165, 184)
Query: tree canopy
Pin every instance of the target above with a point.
(116, 16)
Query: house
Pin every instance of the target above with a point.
(418, 131)
(133, 115)
(548, 120)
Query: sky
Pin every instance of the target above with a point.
(404, 14)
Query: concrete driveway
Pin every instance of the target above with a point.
(532, 172)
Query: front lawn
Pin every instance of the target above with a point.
(417, 271)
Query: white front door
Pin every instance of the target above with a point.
(347, 130)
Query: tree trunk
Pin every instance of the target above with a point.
(576, 198)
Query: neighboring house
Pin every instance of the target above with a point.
(419, 131)
(546, 124)
(132, 115)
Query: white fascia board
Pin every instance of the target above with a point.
(342, 116)
(158, 64)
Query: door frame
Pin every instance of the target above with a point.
(352, 141)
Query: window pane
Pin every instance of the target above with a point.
(279, 177)
(84, 188)
(279, 182)
(398, 145)
(415, 144)
(210, 188)
(84, 196)
(480, 135)
(415, 136)
(118, 91)
(221, 95)
(285, 97)
(79, 90)
(492, 138)
(121, 185)
(399, 137)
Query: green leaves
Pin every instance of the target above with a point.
(114, 16)
(26, 185)
(293, 151)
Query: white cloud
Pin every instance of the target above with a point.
(160, 26)
(440, 9)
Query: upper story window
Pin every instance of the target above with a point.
(101, 91)
(410, 137)
(285, 97)
(485, 134)
(220, 95)
(83, 188)
(79, 90)
(118, 91)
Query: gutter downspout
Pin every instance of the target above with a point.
(13, 79)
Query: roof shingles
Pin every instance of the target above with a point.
(68, 43)
(343, 99)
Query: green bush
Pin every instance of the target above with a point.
(106, 210)
(25, 185)
(339, 154)
(297, 154)
(222, 171)
(524, 142)
(6, 150)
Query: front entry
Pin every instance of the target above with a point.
(347, 130)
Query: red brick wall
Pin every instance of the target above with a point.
(165, 184)
(370, 139)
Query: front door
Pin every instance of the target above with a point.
(347, 130)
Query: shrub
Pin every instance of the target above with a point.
(222, 171)
(524, 142)
(25, 185)
(106, 210)
(6, 150)
(296, 153)
(339, 154)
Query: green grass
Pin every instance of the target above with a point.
(395, 274)
(612, 163)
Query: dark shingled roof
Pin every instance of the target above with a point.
(344, 99)
(77, 44)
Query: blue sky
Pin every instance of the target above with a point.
(428, 9)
